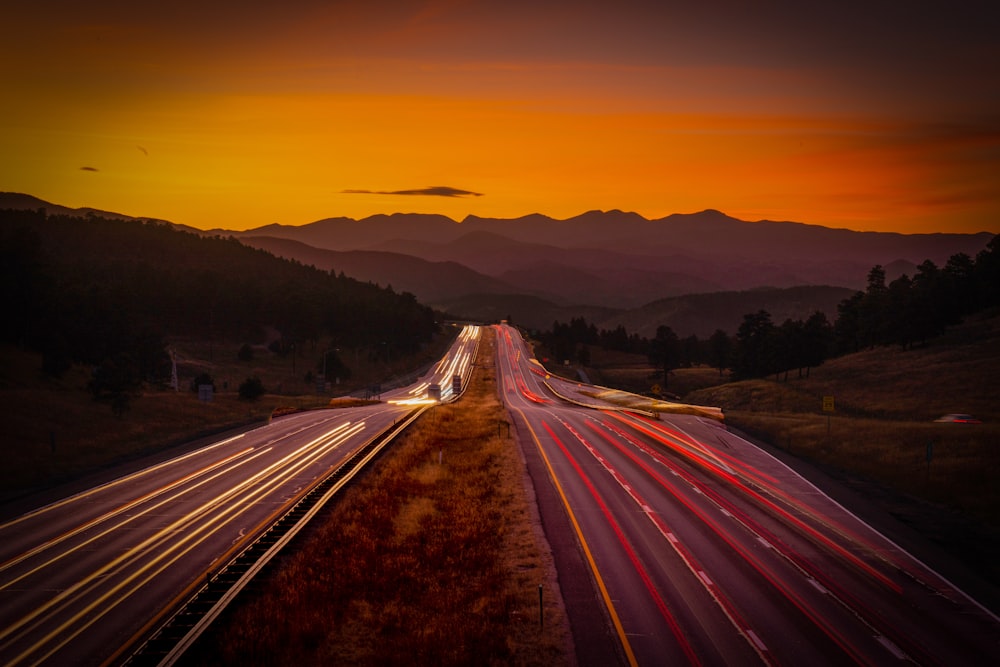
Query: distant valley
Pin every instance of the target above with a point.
(696, 272)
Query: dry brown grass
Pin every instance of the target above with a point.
(878, 436)
(634, 373)
(956, 373)
(423, 562)
(54, 430)
(885, 402)
(962, 472)
(952, 500)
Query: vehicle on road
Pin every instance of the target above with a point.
(956, 418)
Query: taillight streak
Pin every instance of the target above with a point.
(751, 560)
(770, 485)
(727, 607)
(777, 511)
(629, 551)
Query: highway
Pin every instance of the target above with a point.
(697, 547)
(86, 576)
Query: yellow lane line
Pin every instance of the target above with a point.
(616, 621)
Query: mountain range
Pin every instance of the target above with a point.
(613, 267)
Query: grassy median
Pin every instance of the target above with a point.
(433, 558)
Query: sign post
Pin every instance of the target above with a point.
(828, 408)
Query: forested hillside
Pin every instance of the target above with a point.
(108, 293)
(905, 312)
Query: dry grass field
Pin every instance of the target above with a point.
(54, 431)
(431, 559)
(881, 438)
(882, 425)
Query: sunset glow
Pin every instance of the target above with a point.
(214, 118)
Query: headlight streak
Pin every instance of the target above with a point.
(418, 390)
(166, 533)
(679, 636)
(79, 600)
(141, 499)
(741, 625)
(121, 480)
(411, 401)
(295, 462)
(455, 363)
(119, 510)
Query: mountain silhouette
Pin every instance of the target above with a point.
(605, 263)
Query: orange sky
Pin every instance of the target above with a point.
(228, 116)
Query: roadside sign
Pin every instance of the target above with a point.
(828, 404)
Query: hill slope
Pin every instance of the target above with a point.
(702, 314)
(430, 282)
(607, 261)
(882, 443)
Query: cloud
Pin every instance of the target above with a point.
(89, 169)
(432, 191)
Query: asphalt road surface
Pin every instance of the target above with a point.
(84, 576)
(678, 542)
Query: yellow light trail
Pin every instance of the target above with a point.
(115, 512)
(287, 467)
(116, 482)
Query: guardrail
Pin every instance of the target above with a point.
(168, 643)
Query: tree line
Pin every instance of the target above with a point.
(108, 293)
(907, 311)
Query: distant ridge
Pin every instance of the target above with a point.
(708, 233)
(22, 202)
(605, 263)
(430, 282)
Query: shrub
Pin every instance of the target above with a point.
(203, 378)
(251, 389)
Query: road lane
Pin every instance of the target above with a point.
(705, 550)
(80, 577)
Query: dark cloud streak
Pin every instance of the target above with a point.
(89, 169)
(432, 191)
